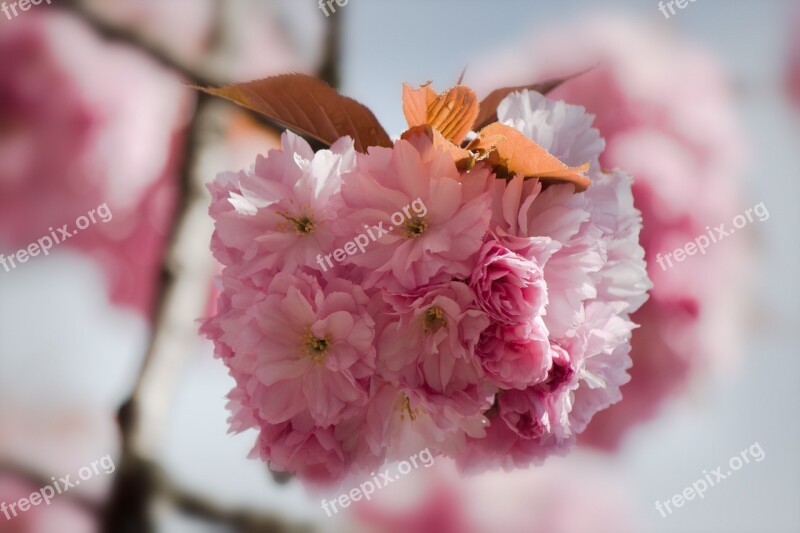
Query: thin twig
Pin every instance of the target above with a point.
(330, 68)
(196, 74)
(243, 520)
(201, 75)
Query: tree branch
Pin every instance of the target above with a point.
(187, 268)
(196, 74)
(330, 68)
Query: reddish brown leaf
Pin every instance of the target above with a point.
(452, 113)
(516, 154)
(309, 107)
(488, 109)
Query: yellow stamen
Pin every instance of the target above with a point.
(434, 319)
(314, 347)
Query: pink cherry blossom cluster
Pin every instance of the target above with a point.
(490, 330)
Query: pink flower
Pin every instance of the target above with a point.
(526, 413)
(528, 425)
(279, 216)
(435, 242)
(515, 357)
(305, 348)
(402, 420)
(432, 341)
(301, 446)
(509, 288)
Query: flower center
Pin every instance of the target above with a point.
(314, 347)
(303, 224)
(415, 227)
(434, 319)
(560, 373)
(406, 408)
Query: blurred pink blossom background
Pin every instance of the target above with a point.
(687, 162)
(109, 134)
(575, 495)
(115, 131)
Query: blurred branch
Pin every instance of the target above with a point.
(195, 505)
(202, 75)
(197, 75)
(185, 273)
(330, 71)
(140, 485)
(187, 269)
(242, 520)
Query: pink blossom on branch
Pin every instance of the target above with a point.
(515, 356)
(429, 247)
(293, 196)
(509, 287)
(489, 325)
(336, 334)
